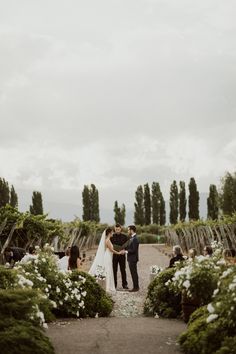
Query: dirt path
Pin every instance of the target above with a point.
(126, 331)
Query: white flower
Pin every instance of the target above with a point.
(211, 318)
(156, 316)
(77, 313)
(226, 273)
(44, 260)
(81, 304)
(232, 286)
(210, 308)
(96, 316)
(37, 248)
(60, 302)
(215, 292)
(186, 284)
(58, 290)
(84, 293)
(45, 325)
(54, 305)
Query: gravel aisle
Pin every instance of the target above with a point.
(126, 331)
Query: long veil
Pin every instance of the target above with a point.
(100, 255)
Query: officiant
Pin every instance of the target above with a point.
(119, 241)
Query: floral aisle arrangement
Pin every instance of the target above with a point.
(163, 299)
(66, 296)
(212, 328)
(66, 291)
(154, 271)
(100, 276)
(35, 292)
(22, 315)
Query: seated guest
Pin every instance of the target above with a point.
(192, 253)
(13, 255)
(208, 251)
(74, 261)
(29, 255)
(177, 256)
(63, 262)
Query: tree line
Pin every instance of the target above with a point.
(149, 205)
(9, 196)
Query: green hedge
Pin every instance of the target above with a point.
(161, 298)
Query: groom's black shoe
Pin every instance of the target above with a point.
(134, 290)
(125, 287)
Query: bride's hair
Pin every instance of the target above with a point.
(108, 231)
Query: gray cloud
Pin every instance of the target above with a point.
(116, 93)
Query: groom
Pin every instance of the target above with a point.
(133, 257)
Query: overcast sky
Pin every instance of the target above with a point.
(116, 93)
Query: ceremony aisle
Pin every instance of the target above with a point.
(126, 330)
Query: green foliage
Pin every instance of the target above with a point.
(150, 238)
(198, 278)
(174, 203)
(30, 228)
(17, 336)
(193, 200)
(96, 302)
(158, 205)
(161, 298)
(4, 192)
(37, 204)
(147, 205)
(182, 201)
(213, 203)
(90, 199)
(120, 213)
(212, 329)
(228, 194)
(139, 206)
(13, 198)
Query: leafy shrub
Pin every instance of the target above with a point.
(24, 304)
(212, 329)
(162, 299)
(96, 301)
(17, 336)
(198, 278)
(147, 238)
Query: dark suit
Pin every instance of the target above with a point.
(133, 259)
(119, 240)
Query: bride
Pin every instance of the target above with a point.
(104, 259)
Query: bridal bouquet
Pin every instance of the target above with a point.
(100, 273)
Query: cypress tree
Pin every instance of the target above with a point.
(37, 204)
(13, 198)
(86, 203)
(193, 200)
(120, 213)
(147, 205)
(4, 192)
(139, 206)
(213, 203)
(227, 194)
(162, 210)
(94, 204)
(182, 201)
(156, 193)
(174, 202)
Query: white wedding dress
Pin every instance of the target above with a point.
(103, 259)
